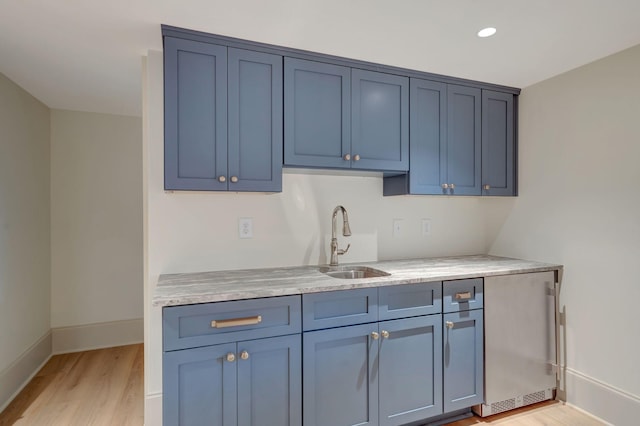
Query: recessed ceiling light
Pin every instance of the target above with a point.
(486, 32)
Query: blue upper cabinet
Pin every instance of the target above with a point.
(317, 114)
(445, 133)
(338, 117)
(212, 93)
(195, 115)
(428, 147)
(463, 141)
(498, 143)
(255, 121)
(379, 120)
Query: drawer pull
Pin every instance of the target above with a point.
(463, 296)
(235, 322)
(449, 324)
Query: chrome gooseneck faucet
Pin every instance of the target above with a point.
(346, 231)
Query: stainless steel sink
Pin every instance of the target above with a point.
(352, 272)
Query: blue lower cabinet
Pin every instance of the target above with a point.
(387, 373)
(410, 370)
(463, 353)
(340, 380)
(199, 387)
(250, 383)
(269, 382)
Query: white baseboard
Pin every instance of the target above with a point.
(17, 375)
(97, 336)
(153, 409)
(609, 404)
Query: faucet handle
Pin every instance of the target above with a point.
(340, 251)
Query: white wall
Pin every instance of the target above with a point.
(196, 231)
(96, 218)
(24, 222)
(579, 205)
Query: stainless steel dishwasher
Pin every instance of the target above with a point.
(520, 316)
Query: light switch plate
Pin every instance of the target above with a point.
(245, 227)
(397, 227)
(426, 227)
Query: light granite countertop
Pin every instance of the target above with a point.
(215, 286)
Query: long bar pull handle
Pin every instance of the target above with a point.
(556, 288)
(235, 322)
(463, 296)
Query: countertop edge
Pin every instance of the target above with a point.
(206, 292)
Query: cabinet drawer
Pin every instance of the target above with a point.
(462, 295)
(192, 326)
(339, 308)
(410, 300)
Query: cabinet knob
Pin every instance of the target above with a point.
(347, 157)
(356, 157)
(231, 357)
(445, 186)
(375, 335)
(222, 179)
(385, 334)
(452, 186)
(486, 187)
(234, 179)
(449, 324)
(244, 355)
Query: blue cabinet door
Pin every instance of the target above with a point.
(410, 369)
(317, 117)
(463, 140)
(380, 121)
(428, 136)
(199, 387)
(340, 380)
(195, 107)
(255, 121)
(498, 146)
(463, 354)
(270, 382)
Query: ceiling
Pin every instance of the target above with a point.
(85, 55)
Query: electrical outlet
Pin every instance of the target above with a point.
(397, 227)
(245, 227)
(426, 227)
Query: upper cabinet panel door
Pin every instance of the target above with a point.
(195, 102)
(428, 135)
(255, 121)
(463, 140)
(317, 114)
(498, 153)
(380, 121)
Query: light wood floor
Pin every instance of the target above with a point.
(105, 387)
(549, 413)
(101, 387)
